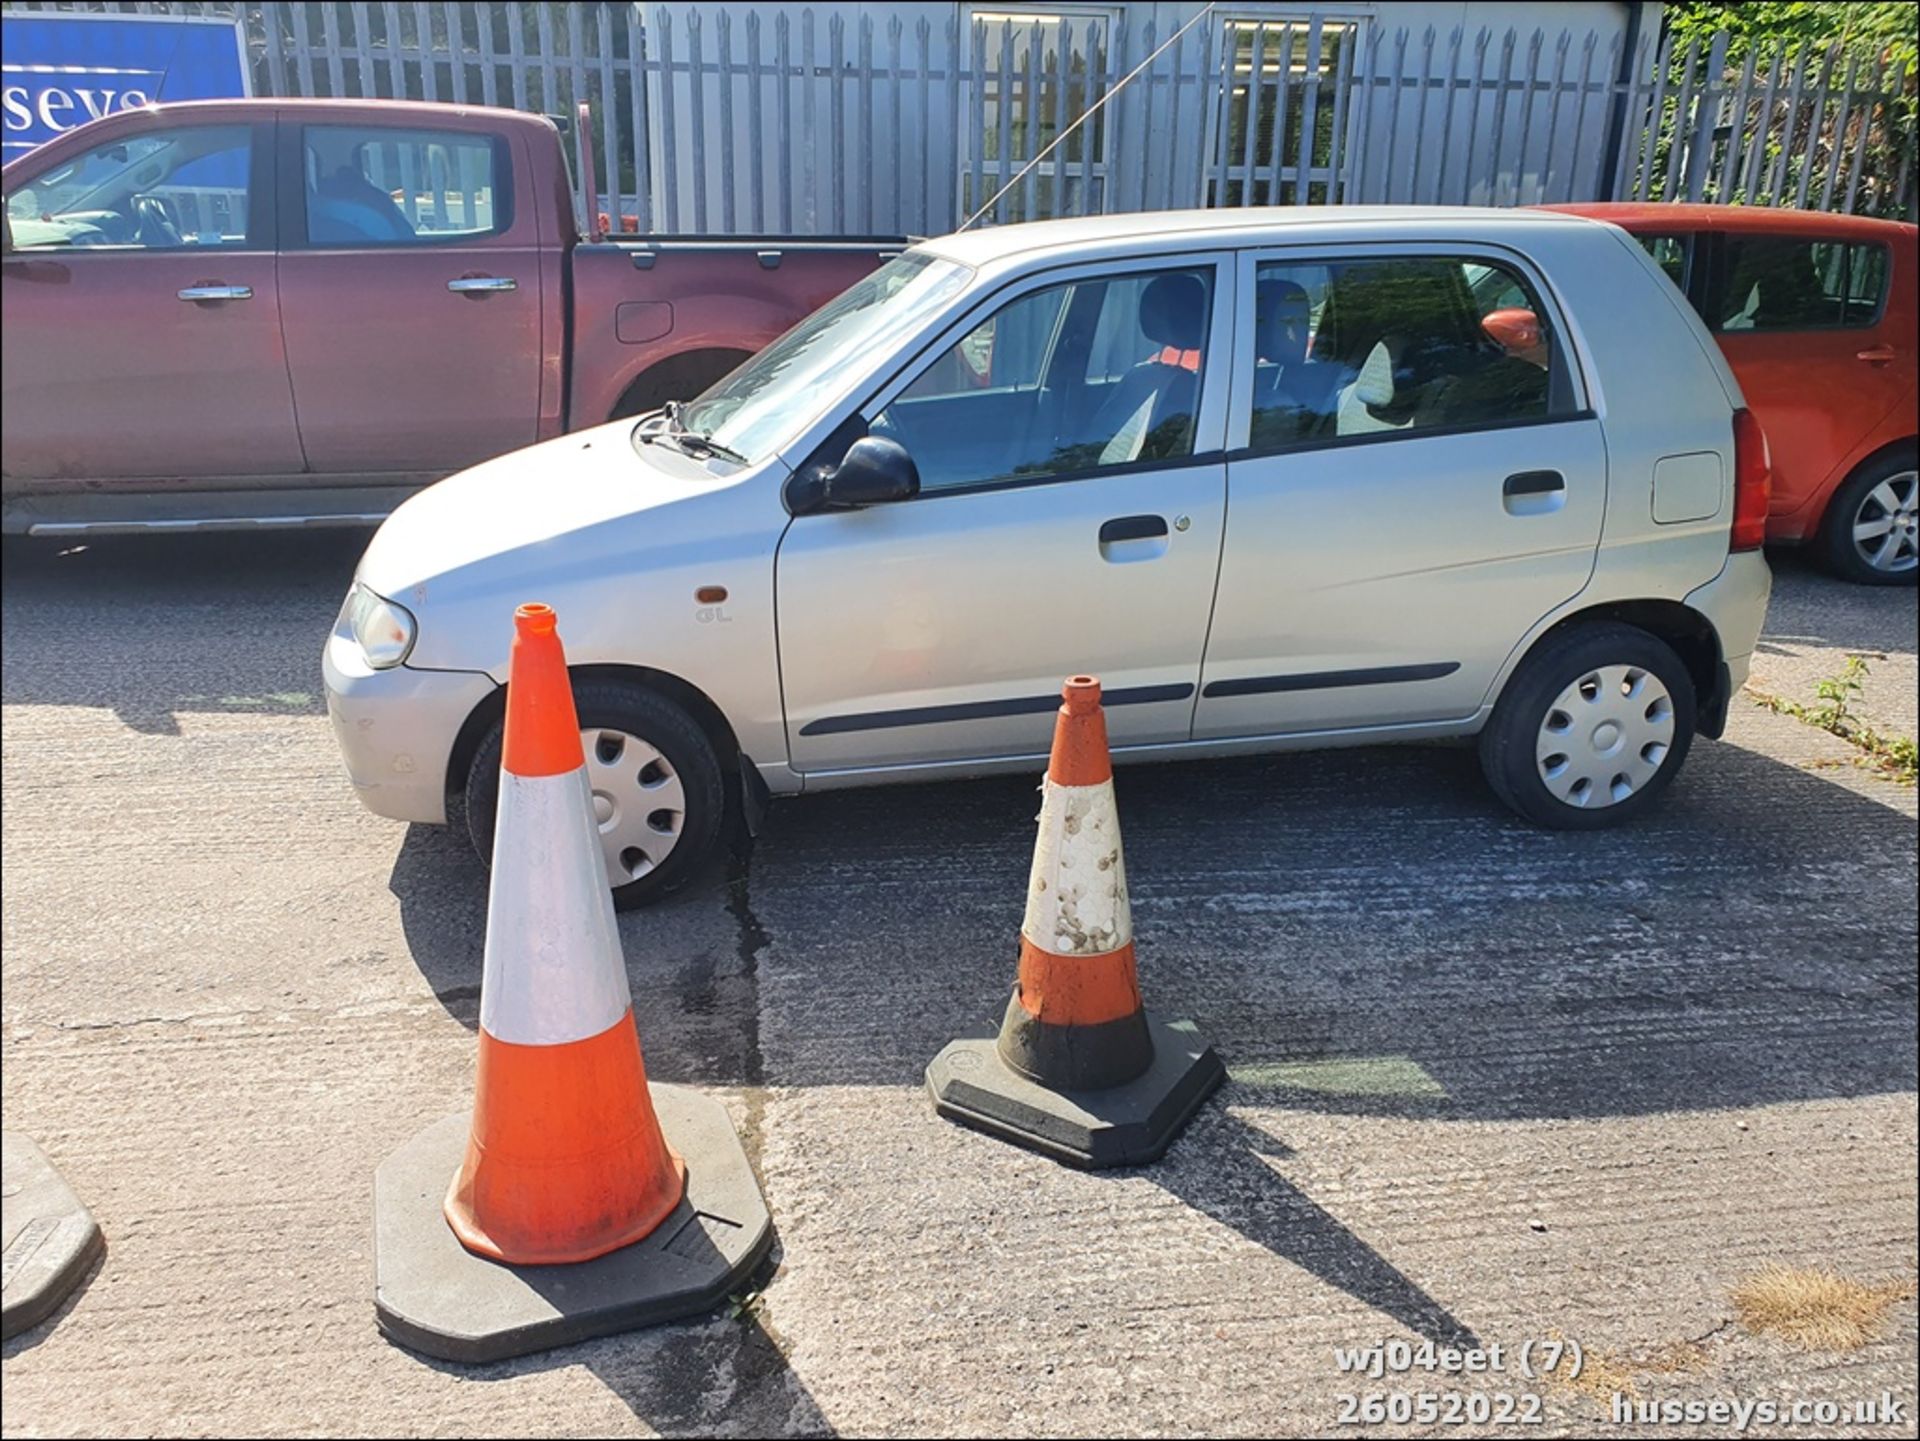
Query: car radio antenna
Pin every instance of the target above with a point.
(1089, 112)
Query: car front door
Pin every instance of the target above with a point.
(142, 336)
(1068, 438)
(1415, 481)
(410, 289)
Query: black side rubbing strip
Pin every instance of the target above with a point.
(1328, 679)
(982, 710)
(1133, 527)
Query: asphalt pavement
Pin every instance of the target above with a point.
(1488, 1084)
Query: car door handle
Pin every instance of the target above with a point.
(1133, 527)
(217, 292)
(1875, 354)
(1533, 482)
(482, 284)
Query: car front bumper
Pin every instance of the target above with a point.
(396, 728)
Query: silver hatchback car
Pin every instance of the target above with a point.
(1280, 478)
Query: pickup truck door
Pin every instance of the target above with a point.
(1068, 437)
(1415, 482)
(410, 290)
(142, 333)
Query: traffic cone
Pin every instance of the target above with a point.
(1080, 1069)
(583, 1201)
(566, 1161)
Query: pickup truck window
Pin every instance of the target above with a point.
(162, 190)
(1061, 381)
(376, 185)
(764, 403)
(1369, 347)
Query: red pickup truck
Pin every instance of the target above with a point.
(236, 313)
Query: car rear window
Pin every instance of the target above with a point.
(1779, 282)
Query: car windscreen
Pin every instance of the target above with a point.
(760, 406)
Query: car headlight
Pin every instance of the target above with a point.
(381, 628)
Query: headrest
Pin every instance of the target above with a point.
(1173, 311)
(1373, 387)
(1282, 313)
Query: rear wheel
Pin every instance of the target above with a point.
(1872, 531)
(659, 794)
(1591, 728)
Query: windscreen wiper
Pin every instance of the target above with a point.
(688, 442)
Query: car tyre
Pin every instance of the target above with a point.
(1880, 499)
(679, 759)
(1627, 739)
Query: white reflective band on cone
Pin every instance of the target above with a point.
(554, 971)
(1077, 891)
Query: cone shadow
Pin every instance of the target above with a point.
(1219, 1168)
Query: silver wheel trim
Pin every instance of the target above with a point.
(1886, 528)
(638, 802)
(1605, 737)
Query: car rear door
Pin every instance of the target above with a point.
(410, 282)
(1414, 481)
(142, 332)
(1068, 437)
(1804, 322)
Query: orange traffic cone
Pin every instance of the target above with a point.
(565, 1165)
(566, 1161)
(1080, 1069)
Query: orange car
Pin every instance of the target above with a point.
(1816, 314)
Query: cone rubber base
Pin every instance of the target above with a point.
(1123, 1126)
(434, 1296)
(50, 1240)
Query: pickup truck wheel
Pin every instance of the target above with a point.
(659, 794)
(1591, 728)
(1871, 534)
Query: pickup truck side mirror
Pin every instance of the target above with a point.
(875, 471)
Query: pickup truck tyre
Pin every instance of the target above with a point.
(1591, 728)
(660, 795)
(1871, 534)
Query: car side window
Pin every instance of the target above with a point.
(375, 185)
(161, 190)
(1069, 379)
(1670, 253)
(1366, 347)
(1781, 282)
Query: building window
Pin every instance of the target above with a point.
(1281, 83)
(1036, 72)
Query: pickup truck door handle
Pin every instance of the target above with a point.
(481, 284)
(217, 292)
(1133, 527)
(1875, 355)
(1533, 482)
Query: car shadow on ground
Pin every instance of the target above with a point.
(237, 623)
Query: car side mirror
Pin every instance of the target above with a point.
(874, 471)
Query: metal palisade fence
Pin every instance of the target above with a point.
(746, 118)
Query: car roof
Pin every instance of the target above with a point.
(1236, 227)
(1663, 217)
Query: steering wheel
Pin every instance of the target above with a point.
(153, 224)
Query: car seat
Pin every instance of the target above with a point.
(1150, 414)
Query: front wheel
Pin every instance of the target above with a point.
(659, 795)
(1591, 728)
(1872, 530)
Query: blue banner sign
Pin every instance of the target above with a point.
(63, 70)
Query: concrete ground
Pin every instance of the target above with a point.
(1814, 624)
(1489, 1084)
